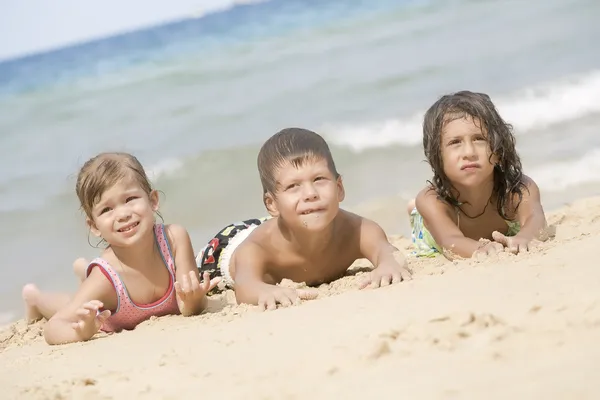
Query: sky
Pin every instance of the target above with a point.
(30, 26)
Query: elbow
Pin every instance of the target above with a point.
(50, 334)
(245, 294)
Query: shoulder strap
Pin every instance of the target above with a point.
(111, 275)
(165, 249)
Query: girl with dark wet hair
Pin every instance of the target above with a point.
(478, 201)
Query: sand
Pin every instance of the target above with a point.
(525, 326)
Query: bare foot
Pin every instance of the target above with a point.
(79, 267)
(30, 295)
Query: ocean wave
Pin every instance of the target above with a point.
(532, 108)
(557, 176)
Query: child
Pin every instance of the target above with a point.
(478, 190)
(147, 269)
(308, 237)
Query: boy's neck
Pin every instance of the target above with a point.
(474, 200)
(138, 256)
(307, 242)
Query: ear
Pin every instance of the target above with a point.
(93, 228)
(494, 159)
(154, 200)
(271, 204)
(341, 191)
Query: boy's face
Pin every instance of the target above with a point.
(306, 197)
(466, 153)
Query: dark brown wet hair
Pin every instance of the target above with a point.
(102, 172)
(508, 172)
(291, 145)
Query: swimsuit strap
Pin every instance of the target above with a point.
(112, 275)
(162, 241)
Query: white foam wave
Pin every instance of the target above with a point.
(532, 108)
(163, 168)
(565, 174)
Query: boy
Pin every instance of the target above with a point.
(308, 237)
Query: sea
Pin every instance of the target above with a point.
(195, 98)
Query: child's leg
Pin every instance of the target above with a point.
(40, 305)
(410, 206)
(79, 267)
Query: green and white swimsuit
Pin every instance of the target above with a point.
(425, 245)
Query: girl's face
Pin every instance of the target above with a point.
(466, 153)
(124, 214)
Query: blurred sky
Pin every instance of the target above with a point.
(30, 26)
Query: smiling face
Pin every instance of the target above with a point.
(306, 196)
(466, 154)
(124, 213)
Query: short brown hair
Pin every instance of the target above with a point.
(103, 171)
(291, 145)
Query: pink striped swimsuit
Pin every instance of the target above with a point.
(129, 314)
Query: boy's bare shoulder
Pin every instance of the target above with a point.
(349, 220)
(260, 240)
(352, 225)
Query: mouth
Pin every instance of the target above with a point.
(129, 227)
(311, 211)
(470, 166)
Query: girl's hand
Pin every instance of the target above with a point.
(488, 249)
(90, 320)
(191, 292)
(513, 244)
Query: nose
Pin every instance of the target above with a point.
(310, 193)
(468, 149)
(123, 213)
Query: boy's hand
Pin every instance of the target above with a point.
(513, 244)
(387, 273)
(90, 320)
(270, 295)
(191, 292)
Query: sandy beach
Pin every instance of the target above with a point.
(522, 326)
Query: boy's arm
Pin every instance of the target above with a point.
(60, 328)
(445, 232)
(191, 292)
(250, 287)
(389, 262)
(249, 272)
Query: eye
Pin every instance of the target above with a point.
(293, 185)
(130, 198)
(319, 178)
(453, 142)
(104, 210)
(480, 137)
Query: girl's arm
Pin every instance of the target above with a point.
(191, 292)
(71, 324)
(445, 232)
(530, 212)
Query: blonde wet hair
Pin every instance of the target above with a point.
(102, 172)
